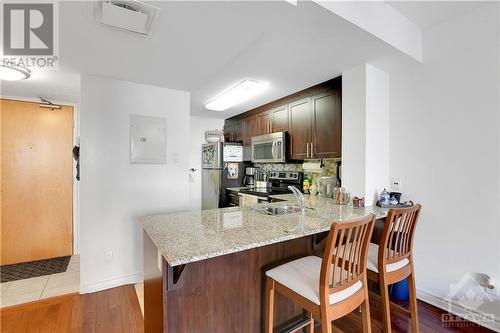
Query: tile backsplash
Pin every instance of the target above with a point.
(329, 168)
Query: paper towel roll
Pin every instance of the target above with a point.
(314, 167)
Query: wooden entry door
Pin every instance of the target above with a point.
(36, 169)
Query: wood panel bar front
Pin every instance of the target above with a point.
(222, 294)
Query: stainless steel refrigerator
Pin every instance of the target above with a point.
(223, 167)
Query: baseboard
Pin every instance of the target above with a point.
(112, 283)
(456, 309)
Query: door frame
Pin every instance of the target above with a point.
(76, 184)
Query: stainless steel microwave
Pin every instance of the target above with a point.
(269, 148)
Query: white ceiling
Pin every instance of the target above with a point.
(428, 13)
(55, 86)
(204, 47)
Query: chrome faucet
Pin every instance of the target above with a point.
(299, 197)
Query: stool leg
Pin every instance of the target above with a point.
(413, 302)
(365, 313)
(311, 324)
(326, 323)
(384, 295)
(270, 305)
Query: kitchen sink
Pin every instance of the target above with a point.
(277, 209)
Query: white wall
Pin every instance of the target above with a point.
(198, 126)
(354, 130)
(377, 133)
(365, 131)
(113, 192)
(444, 145)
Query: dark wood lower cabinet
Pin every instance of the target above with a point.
(223, 294)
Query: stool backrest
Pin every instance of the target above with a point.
(345, 256)
(396, 241)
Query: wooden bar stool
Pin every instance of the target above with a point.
(331, 287)
(392, 261)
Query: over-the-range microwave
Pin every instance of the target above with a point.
(269, 148)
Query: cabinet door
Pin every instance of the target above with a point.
(233, 131)
(299, 129)
(228, 132)
(264, 123)
(237, 131)
(327, 125)
(279, 121)
(247, 126)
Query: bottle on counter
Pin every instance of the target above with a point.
(313, 189)
(306, 184)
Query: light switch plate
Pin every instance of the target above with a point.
(395, 184)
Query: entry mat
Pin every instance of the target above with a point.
(32, 269)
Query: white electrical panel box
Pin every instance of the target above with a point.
(148, 140)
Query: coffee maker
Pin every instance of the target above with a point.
(250, 175)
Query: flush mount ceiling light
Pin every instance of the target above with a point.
(14, 73)
(237, 94)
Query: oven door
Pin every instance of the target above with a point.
(269, 148)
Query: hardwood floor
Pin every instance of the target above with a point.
(117, 310)
(429, 321)
(114, 310)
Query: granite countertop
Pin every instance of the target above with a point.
(236, 189)
(187, 237)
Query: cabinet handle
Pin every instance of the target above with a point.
(307, 148)
(312, 149)
(271, 127)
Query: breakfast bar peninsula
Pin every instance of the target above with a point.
(204, 270)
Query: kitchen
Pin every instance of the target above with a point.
(274, 140)
(271, 185)
(227, 153)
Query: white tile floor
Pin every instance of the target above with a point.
(28, 290)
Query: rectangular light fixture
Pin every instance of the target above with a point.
(239, 93)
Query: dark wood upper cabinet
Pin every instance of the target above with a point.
(326, 125)
(264, 121)
(279, 119)
(312, 117)
(233, 131)
(299, 129)
(248, 127)
(274, 120)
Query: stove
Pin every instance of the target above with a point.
(277, 184)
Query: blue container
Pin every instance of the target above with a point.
(400, 290)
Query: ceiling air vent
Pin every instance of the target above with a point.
(133, 16)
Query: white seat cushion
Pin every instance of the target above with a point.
(373, 261)
(302, 276)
